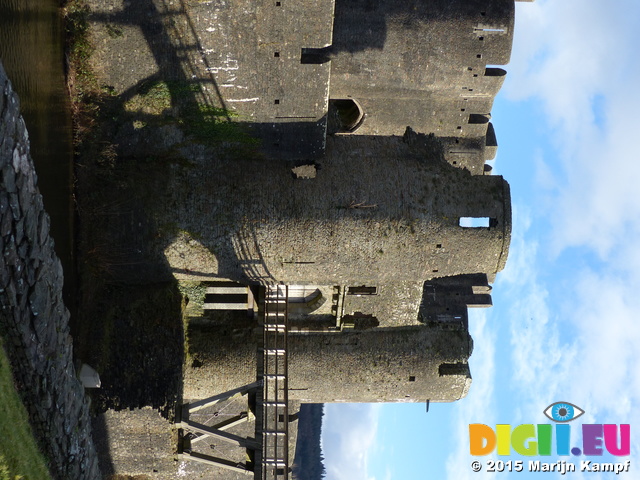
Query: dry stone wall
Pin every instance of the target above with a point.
(33, 318)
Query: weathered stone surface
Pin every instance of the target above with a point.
(14, 203)
(19, 231)
(304, 171)
(31, 226)
(43, 232)
(33, 315)
(9, 179)
(10, 253)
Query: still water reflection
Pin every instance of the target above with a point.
(31, 49)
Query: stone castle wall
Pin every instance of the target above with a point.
(430, 65)
(376, 213)
(401, 364)
(33, 319)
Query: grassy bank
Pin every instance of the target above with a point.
(25, 462)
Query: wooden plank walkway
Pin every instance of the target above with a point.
(275, 400)
(270, 447)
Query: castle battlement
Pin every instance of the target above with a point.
(428, 65)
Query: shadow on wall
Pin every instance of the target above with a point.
(101, 438)
(361, 25)
(166, 173)
(130, 323)
(176, 53)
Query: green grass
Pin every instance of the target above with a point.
(79, 48)
(114, 31)
(205, 123)
(20, 458)
(195, 293)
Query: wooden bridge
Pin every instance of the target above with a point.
(268, 450)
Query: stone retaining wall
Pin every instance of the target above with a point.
(33, 318)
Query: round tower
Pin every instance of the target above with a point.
(402, 364)
(377, 212)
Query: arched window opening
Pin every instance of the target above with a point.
(347, 115)
(304, 300)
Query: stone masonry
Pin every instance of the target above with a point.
(33, 318)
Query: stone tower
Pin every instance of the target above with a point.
(387, 235)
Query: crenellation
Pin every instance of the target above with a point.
(442, 52)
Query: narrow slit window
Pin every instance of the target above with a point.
(362, 290)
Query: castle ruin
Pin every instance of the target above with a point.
(383, 235)
(373, 215)
(340, 263)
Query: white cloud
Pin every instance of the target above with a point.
(539, 358)
(574, 336)
(567, 341)
(479, 405)
(578, 58)
(606, 317)
(565, 52)
(572, 292)
(603, 376)
(348, 438)
(545, 177)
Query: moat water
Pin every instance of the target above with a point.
(31, 50)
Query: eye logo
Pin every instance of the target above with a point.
(563, 412)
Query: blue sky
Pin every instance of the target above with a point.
(565, 322)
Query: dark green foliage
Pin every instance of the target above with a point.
(19, 454)
(78, 46)
(308, 463)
